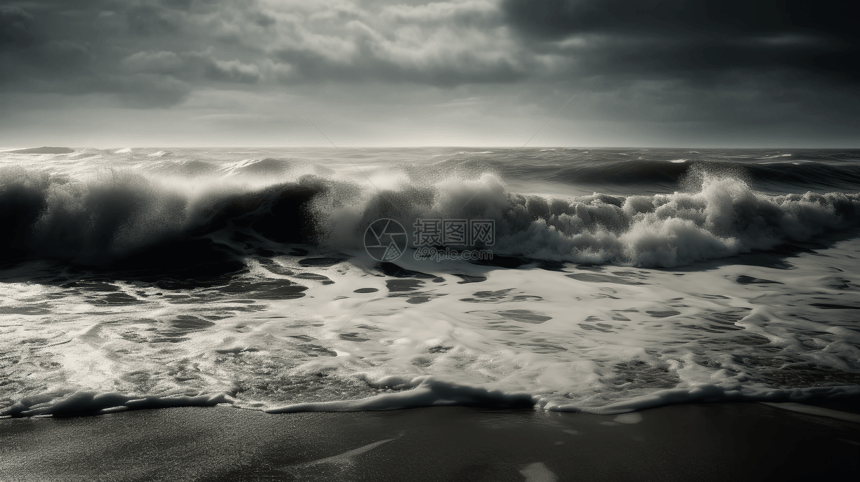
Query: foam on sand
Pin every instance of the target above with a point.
(538, 472)
(90, 403)
(426, 393)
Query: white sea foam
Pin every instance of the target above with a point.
(569, 341)
(538, 472)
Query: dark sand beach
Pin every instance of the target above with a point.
(720, 441)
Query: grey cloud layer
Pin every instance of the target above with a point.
(156, 52)
(149, 54)
(789, 63)
(119, 46)
(702, 38)
(703, 61)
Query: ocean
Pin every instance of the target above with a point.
(285, 280)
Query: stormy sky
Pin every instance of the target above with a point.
(723, 73)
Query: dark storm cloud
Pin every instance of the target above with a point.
(15, 28)
(557, 18)
(191, 65)
(441, 44)
(117, 48)
(156, 52)
(30, 57)
(725, 65)
(367, 63)
(71, 45)
(151, 20)
(684, 39)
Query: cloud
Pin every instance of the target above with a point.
(124, 50)
(440, 58)
(773, 64)
(694, 40)
(151, 20)
(714, 64)
(469, 12)
(155, 62)
(556, 18)
(95, 46)
(15, 28)
(192, 66)
(146, 90)
(440, 44)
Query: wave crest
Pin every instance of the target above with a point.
(724, 217)
(119, 213)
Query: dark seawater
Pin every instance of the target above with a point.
(620, 278)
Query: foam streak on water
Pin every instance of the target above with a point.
(134, 280)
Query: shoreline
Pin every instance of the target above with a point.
(714, 441)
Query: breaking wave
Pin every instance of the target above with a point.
(113, 216)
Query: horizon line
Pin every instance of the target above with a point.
(517, 148)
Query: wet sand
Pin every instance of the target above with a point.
(720, 441)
